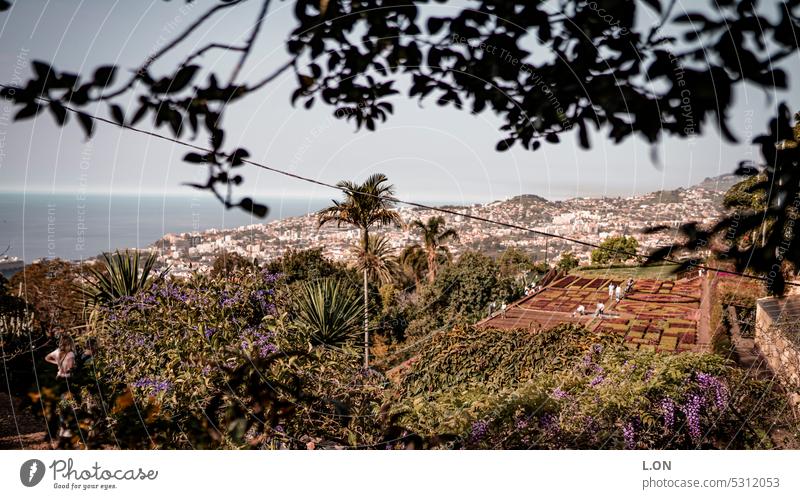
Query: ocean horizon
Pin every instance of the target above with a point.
(74, 226)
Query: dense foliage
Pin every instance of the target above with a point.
(571, 389)
(615, 249)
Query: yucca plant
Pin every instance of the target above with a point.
(329, 312)
(120, 276)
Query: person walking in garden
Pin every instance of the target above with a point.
(581, 310)
(618, 293)
(611, 291)
(629, 285)
(503, 309)
(601, 307)
(63, 357)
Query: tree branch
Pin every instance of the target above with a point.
(251, 40)
(177, 40)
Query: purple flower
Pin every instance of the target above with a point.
(597, 380)
(560, 394)
(478, 431)
(154, 386)
(629, 434)
(668, 410)
(549, 423)
(692, 411)
(713, 387)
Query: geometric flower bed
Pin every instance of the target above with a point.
(657, 316)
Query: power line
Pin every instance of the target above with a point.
(393, 199)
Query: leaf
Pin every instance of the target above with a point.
(258, 210)
(237, 157)
(691, 17)
(87, 123)
(59, 112)
(140, 113)
(183, 78)
(194, 157)
(42, 69)
(104, 76)
(117, 114)
(217, 137)
(505, 144)
(435, 24)
(31, 109)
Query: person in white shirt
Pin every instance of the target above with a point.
(503, 309)
(600, 309)
(618, 293)
(611, 291)
(581, 310)
(63, 357)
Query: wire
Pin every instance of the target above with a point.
(393, 199)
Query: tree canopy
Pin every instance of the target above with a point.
(543, 69)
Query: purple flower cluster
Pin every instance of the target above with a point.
(260, 340)
(560, 394)
(262, 299)
(713, 386)
(692, 411)
(521, 423)
(209, 332)
(226, 300)
(549, 423)
(597, 380)
(154, 386)
(479, 431)
(629, 434)
(171, 291)
(668, 410)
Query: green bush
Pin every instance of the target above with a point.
(574, 390)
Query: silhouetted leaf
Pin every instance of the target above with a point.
(194, 157)
(59, 113)
(31, 109)
(87, 123)
(258, 210)
(104, 76)
(116, 114)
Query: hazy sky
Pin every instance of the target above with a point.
(430, 153)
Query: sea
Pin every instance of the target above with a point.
(80, 226)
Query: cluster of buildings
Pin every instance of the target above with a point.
(586, 219)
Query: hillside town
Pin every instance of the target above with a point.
(587, 219)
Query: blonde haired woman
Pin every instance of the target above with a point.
(63, 357)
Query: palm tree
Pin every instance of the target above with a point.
(413, 263)
(434, 236)
(364, 206)
(121, 276)
(328, 312)
(376, 259)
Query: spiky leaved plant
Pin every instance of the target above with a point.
(329, 312)
(122, 274)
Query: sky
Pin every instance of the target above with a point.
(429, 153)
